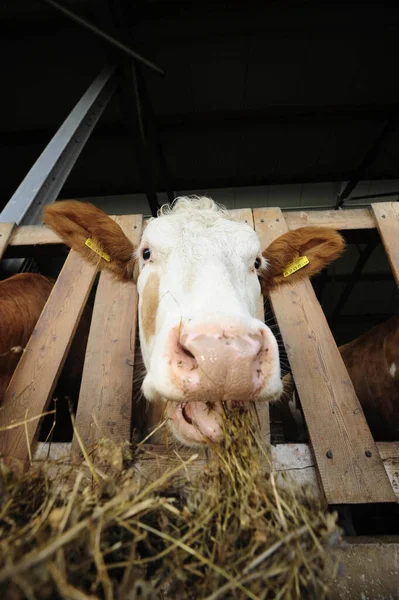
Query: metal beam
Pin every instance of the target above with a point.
(153, 134)
(368, 160)
(45, 179)
(103, 35)
(135, 105)
(374, 196)
(138, 126)
(155, 166)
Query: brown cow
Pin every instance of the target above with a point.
(372, 361)
(22, 299)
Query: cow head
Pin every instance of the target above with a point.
(199, 276)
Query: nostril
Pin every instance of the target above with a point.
(186, 351)
(186, 412)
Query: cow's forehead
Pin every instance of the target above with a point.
(191, 230)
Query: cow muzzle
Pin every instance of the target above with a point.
(215, 367)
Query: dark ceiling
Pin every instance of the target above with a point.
(254, 93)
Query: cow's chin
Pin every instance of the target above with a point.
(195, 423)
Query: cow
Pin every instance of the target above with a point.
(22, 299)
(372, 361)
(199, 276)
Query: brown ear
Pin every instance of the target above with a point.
(321, 245)
(76, 222)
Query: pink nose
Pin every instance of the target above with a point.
(214, 364)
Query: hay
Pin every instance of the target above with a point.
(233, 533)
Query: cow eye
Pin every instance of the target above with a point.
(258, 263)
(146, 254)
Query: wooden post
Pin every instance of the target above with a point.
(386, 215)
(105, 400)
(244, 215)
(36, 375)
(348, 463)
(6, 230)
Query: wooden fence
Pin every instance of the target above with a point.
(342, 461)
(358, 471)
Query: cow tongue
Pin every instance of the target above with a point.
(207, 421)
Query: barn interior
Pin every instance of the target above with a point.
(267, 104)
(256, 104)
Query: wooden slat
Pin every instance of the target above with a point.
(293, 463)
(389, 452)
(6, 230)
(244, 215)
(357, 218)
(297, 461)
(353, 218)
(35, 377)
(52, 451)
(34, 235)
(387, 218)
(333, 414)
(105, 400)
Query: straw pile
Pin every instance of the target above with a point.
(97, 532)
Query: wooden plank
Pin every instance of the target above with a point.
(244, 215)
(6, 230)
(34, 235)
(353, 218)
(357, 218)
(105, 400)
(337, 427)
(55, 456)
(52, 451)
(35, 377)
(293, 463)
(387, 218)
(389, 452)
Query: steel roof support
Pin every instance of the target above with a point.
(368, 160)
(158, 154)
(104, 35)
(45, 179)
(136, 108)
(373, 196)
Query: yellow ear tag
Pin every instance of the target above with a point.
(297, 264)
(89, 242)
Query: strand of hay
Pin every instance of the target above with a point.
(97, 531)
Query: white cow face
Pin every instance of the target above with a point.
(199, 277)
(201, 343)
